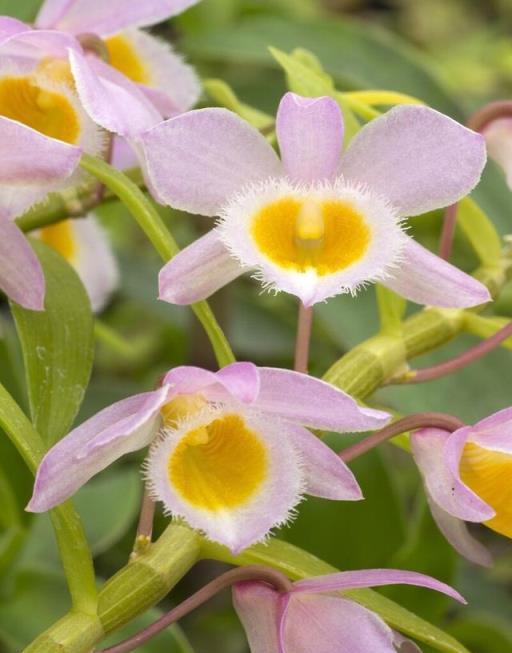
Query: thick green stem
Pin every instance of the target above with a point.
(374, 362)
(71, 203)
(163, 242)
(134, 589)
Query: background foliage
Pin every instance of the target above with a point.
(403, 45)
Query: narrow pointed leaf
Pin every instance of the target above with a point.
(57, 347)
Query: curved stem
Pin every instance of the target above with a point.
(409, 423)
(477, 122)
(304, 324)
(154, 228)
(252, 572)
(460, 361)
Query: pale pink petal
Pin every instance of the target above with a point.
(198, 271)
(125, 426)
(439, 467)
(257, 607)
(310, 136)
(309, 401)
(424, 278)
(416, 158)
(457, 534)
(330, 624)
(326, 475)
(31, 165)
(36, 44)
(21, 275)
(111, 99)
(494, 432)
(171, 85)
(161, 101)
(242, 380)
(10, 26)
(345, 580)
(123, 155)
(199, 160)
(100, 17)
(498, 138)
(239, 380)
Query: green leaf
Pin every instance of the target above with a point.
(26, 10)
(224, 95)
(391, 311)
(479, 230)
(306, 77)
(57, 347)
(357, 55)
(297, 563)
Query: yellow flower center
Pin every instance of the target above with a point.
(124, 57)
(60, 237)
(181, 407)
(219, 466)
(48, 112)
(57, 70)
(489, 474)
(326, 236)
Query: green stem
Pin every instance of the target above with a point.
(74, 550)
(71, 203)
(135, 588)
(375, 361)
(163, 242)
(115, 341)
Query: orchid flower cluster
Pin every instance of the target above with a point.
(230, 454)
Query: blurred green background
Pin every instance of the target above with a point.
(454, 55)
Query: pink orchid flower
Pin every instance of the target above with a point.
(467, 479)
(311, 618)
(314, 223)
(43, 130)
(233, 458)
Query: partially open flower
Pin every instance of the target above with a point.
(233, 458)
(467, 478)
(43, 131)
(311, 618)
(85, 246)
(314, 223)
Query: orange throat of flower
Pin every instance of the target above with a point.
(489, 474)
(302, 234)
